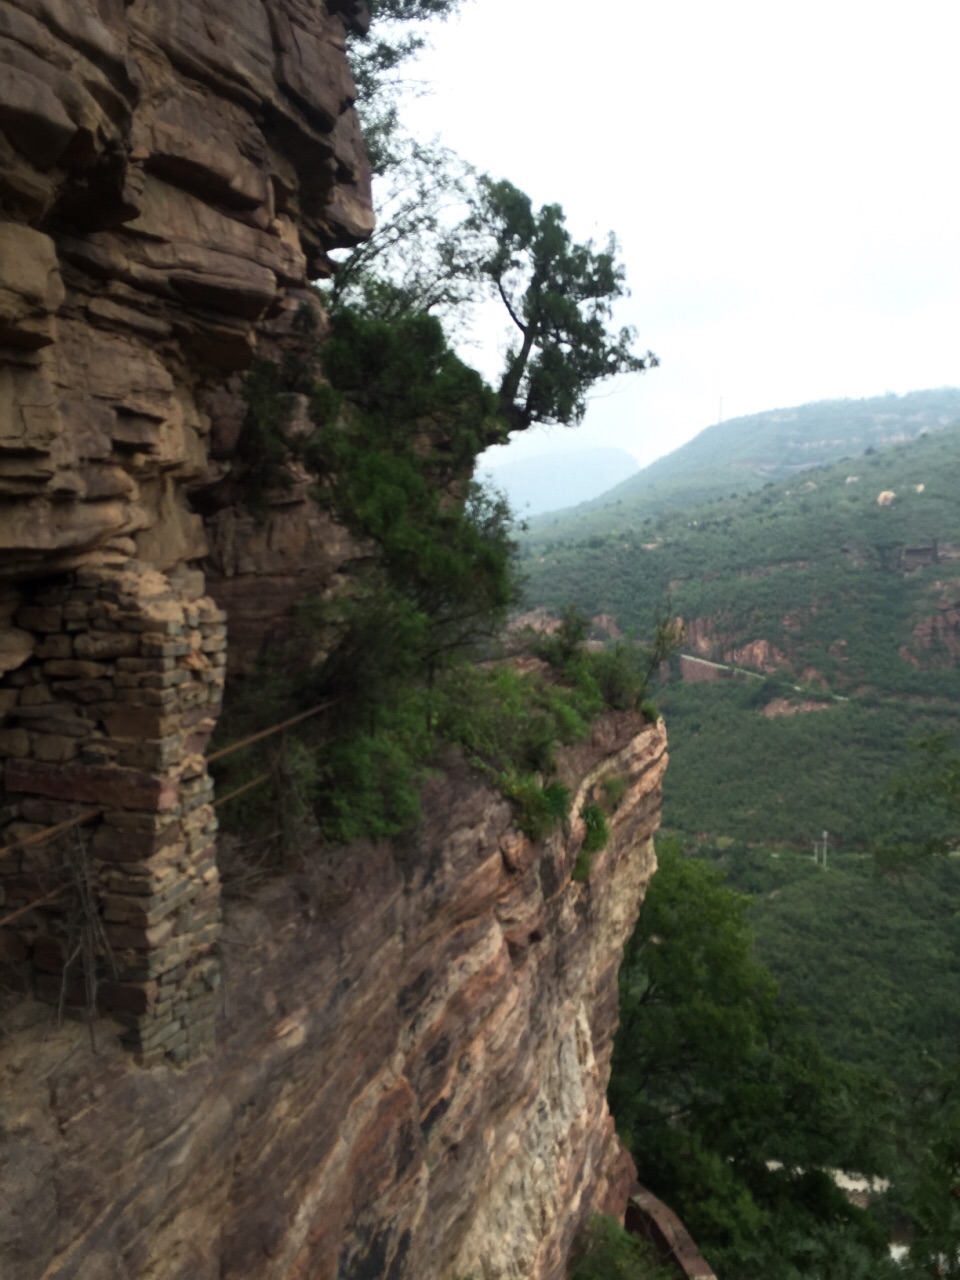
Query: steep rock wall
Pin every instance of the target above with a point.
(394, 1063)
(414, 1045)
(172, 175)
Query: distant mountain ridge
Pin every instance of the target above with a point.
(742, 454)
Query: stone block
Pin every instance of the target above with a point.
(146, 664)
(16, 648)
(48, 812)
(73, 669)
(53, 595)
(14, 742)
(149, 823)
(163, 679)
(73, 625)
(54, 747)
(139, 937)
(126, 721)
(157, 646)
(152, 1035)
(33, 617)
(35, 695)
(104, 645)
(102, 753)
(85, 692)
(123, 909)
(116, 845)
(128, 997)
(55, 646)
(55, 717)
(114, 787)
(161, 698)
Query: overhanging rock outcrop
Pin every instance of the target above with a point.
(172, 175)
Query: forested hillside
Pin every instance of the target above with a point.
(840, 589)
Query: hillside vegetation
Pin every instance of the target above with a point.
(846, 606)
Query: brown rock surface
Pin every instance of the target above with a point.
(171, 176)
(414, 1042)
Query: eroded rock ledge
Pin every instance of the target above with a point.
(414, 1046)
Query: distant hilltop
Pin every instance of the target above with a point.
(552, 482)
(743, 454)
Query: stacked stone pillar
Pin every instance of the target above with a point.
(110, 716)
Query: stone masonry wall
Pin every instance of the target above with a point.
(111, 717)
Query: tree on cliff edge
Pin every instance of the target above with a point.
(559, 295)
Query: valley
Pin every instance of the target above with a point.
(812, 705)
(841, 590)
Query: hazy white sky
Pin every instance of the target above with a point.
(782, 178)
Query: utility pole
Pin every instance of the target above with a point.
(825, 851)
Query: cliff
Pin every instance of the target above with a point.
(413, 1049)
(394, 1061)
(171, 178)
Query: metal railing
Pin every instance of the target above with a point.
(50, 833)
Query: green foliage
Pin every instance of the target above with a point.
(735, 772)
(876, 956)
(756, 454)
(262, 448)
(559, 296)
(509, 726)
(371, 780)
(537, 809)
(604, 1250)
(582, 866)
(929, 1194)
(419, 258)
(729, 1106)
(598, 833)
(617, 676)
(614, 789)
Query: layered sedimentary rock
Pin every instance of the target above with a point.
(414, 1044)
(392, 1063)
(172, 175)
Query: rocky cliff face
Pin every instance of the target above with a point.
(172, 175)
(394, 1063)
(414, 1044)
